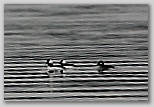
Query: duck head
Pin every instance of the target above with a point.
(49, 62)
(100, 63)
(63, 62)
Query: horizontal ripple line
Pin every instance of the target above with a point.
(104, 85)
(98, 90)
(114, 96)
(24, 73)
(78, 91)
(110, 80)
(118, 72)
(31, 77)
(42, 61)
(79, 78)
(95, 76)
(41, 84)
(89, 65)
(80, 72)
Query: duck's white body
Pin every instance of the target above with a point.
(53, 68)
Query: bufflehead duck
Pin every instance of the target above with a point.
(53, 68)
(66, 65)
(102, 67)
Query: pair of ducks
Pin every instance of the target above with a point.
(63, 65)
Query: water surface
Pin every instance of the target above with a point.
(80, 34)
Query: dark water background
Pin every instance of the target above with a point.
(80, 34)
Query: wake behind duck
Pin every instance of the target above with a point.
(66, 65)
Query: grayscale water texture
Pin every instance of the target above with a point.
(82, 35)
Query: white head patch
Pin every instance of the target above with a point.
(50, 61)
(64, 62)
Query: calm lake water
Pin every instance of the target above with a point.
(82, 35)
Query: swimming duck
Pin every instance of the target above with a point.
(102, 67)
(53, 68)
(66, 65)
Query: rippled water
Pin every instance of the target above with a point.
(80, 34)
